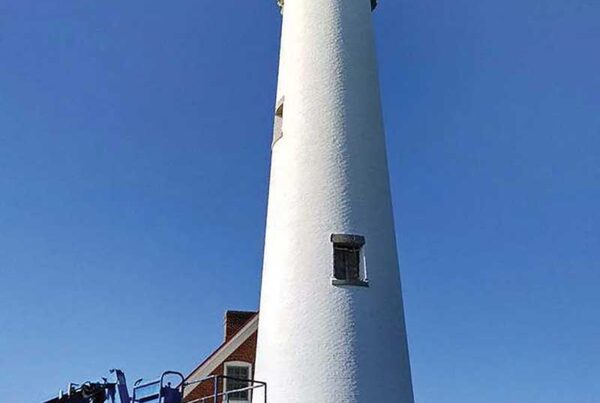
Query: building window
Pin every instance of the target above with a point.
(278, 125)
(348, 268)
(239, 371)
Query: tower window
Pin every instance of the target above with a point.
(278, 124)
(347, 260)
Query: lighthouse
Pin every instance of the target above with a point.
(331, 327)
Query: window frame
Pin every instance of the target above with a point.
(226, 366)
(278, 123)
(354, 244)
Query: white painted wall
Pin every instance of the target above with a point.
(319, 343)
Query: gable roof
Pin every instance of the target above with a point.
(222, 352)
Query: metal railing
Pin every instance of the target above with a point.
(225, 396)
(157, 390)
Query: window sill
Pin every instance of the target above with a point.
(354, 283)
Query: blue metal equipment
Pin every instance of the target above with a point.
(115, 391)
(154, 391)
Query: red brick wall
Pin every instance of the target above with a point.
(234, 321)
(246, 353)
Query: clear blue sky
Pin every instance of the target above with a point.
(134, 156)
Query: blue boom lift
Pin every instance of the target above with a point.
(115, 391)
(160, 390)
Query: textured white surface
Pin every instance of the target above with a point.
(319, 343)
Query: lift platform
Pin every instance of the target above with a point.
(160, 390)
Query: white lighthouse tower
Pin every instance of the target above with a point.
(331, 326)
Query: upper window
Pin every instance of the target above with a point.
(278, 124)
(347, 260)
(239, 371)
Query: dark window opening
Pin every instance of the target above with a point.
(348, 267)
(240, 373)
(346, 262)
(278, 124)
(279, 108)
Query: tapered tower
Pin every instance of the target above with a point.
(331, 326)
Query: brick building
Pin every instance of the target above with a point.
(234, 357)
